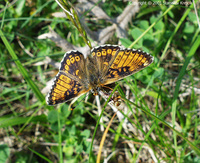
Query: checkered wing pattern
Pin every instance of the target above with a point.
(69, 81)
(127, 62)
(107, 64)
(102, 55)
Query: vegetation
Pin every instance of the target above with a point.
(158, 116)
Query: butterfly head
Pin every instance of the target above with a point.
(95, 90)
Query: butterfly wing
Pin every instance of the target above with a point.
(69, 82)
(115, 62)
(101, 57)
(126, 62)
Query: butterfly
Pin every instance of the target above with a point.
(106, 64)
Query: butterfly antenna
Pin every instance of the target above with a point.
(107, 87)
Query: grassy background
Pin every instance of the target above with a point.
(165, 124)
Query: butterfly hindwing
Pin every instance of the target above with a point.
(64, 89)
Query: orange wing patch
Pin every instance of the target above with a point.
(102, 55)
(64, 89)
(126, 63)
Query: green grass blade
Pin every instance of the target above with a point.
(46, 159)
(178, 83)
(150, 27)
(8, 121)
(174, 32)
(117, 136)
(36, 12)
(74, 18)
(60, 141)
(4, 14)
(23, 71)
(196, 149)
(90, 154)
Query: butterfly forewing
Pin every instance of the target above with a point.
(102, 55)
(73, 63)
(127, 62)
(69, 82)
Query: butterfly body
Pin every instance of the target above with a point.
(107, 64)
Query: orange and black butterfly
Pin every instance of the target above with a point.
(106, 64)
